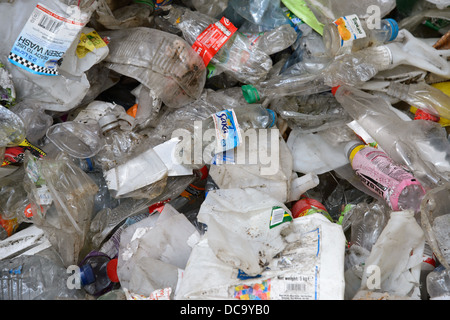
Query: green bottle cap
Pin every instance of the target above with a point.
(250, 93)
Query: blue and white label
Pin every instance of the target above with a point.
(44, 40)
(228, 131)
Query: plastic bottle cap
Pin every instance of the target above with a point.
(250, 93)
(334, 89)
(111, 270)
(87, 275)
(350, 146)
(273, 116)
(394, 28)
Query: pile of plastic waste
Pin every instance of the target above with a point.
(246, 150)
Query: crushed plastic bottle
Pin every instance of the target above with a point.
(238, 150)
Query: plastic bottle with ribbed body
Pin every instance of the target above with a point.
(349, 34)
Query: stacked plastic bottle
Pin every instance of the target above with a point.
(227, 149)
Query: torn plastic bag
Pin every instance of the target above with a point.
(161, 61)
(264, 165)
(152, 253)
(311, 267)
(131, 15)
(244, 227)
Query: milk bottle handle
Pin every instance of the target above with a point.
(412, 51)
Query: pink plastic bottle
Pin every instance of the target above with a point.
(381, 175)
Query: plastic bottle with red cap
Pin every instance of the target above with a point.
(98, 273)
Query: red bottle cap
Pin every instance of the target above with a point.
(334, 89)
(111, 270)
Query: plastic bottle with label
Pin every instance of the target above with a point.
(348, 34)
(98, 273)
(239, 55)
(380, 174)
(420, 145)
(224, 130)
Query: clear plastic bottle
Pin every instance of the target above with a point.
(438, 284)
(240, 56)
(423, 96)
(284, 86)
(349, 34)
(35, 277)
(380, 174)
(98, 273)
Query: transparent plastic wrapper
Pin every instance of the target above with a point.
(244, 227)
(13, 197)
(131, 15)
(35, 277)
(47, 79)
(159, 60)
(7, 89)
(311, 113)
(152, 253)
(435, 219)
(236, 57)
(34, 117)
(396, 258)
(265, 13)
(210, 8)
(12, 130)
(311, 267)
(62, 200)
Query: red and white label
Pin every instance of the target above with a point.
(209, 42)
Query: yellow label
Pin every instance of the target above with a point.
(88, 43)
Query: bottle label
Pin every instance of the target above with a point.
(89, 43)
(279, 216)
(228, 131)
(377, 171)
(15, 155)
(349, 28)
(44, 40)
(209, 42)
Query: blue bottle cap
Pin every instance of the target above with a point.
(273, 116)
(394, 28)
(87, 275)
